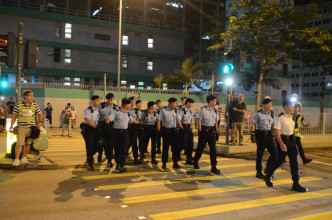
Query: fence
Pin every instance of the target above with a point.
(320, 123)
(46, 85)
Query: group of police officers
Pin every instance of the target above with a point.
(117, 128)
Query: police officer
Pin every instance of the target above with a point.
(262, 124)
(185, 116)
(105, 109)
(91, 119)
(149, 119)
(168, 117)
(133, 130)
(284, 132)
(207, 128)
(25, 112)
(159, 107)
(121, 119)
(299, 119)
(183, 101)
(140, 128)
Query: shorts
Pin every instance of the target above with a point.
(22, 134)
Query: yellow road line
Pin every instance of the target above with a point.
(242, 205)
(324, 215)
(199, 192)
(181, 180)
(179, 171)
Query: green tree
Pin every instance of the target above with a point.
(187, 74)
(267, 30)
(159, 80)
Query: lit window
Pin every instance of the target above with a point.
(165, 88)
(150, 42)
(68, 31)
(66, 83)
(164, 84)
(67, 78)
(57, 30)
(77, 79)
(77, 84)
(150, 64)
(132, 87)
(67, 55)
(141, 83)
(148, 87)
(123, 82)
(125, 40)
(124, 61)
(140, 87)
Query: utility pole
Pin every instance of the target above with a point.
(119, 50)
(105, 87)
(19, 61)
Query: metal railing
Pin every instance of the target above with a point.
(89, 14)
(51, 85)
(320, 123)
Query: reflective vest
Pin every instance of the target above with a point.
(297, 126)
(26, 114)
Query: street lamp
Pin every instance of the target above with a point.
(228, 83)
(119, 49)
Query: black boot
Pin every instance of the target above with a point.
(298, 188)
(90, 167)
(259, 175)
(176, 165)
(153, 161)
(305, 161)
(196, 166)
(215, 170)
(268, 181)
(109, 163)
(164, 166)
(99, 159)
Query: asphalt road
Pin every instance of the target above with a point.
(145, 192)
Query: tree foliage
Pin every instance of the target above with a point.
(159, 80)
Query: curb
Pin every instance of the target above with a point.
(42, 164)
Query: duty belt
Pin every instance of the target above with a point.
(288, 137)
(186, 125)
(208, 128)
(263, 132)
(120, 131)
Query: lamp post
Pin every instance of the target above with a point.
(119, 50)
(228, 83)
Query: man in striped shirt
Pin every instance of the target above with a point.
(25, 112)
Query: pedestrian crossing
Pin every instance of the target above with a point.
(146, 185)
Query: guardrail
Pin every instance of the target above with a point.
(89, 14)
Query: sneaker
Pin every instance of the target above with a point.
(16, 163)
(37, 157)
(24, 160)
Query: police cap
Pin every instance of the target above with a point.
(172, 99)
(158, 101)
(151, 103)
(266, 101)
(95, 97)
(286, 102)
(132, 98)
(138, 101)
(125, 101)
(189, 100)
(110, 96)
(183, 97)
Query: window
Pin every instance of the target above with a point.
(66, 83)
(141, 83)
(124, 61)
(150, 42)
(57, 30)
(123, 82)
(34, 79)
(150, 64)
(57, 55)
(132, 87)
(77, 84)
(125, 40)
(66, 79)
(68, 31)
(148, 87)
(284, 69)
(67, 56)
(77, 79)
(56, 78)
(284, 94)
(102, 37)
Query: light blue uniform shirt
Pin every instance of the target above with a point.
(135, 113)
(94, 117)
(185, 115)
(121, 119)
(106, 111)
(208, 117)
(168, 117)
(262, 121)
(149, 118)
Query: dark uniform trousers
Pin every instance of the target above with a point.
(207, 135)
(293, 158)
(150, 132)
(120, 141)
(299, 146)
(91, 141)
(187, 141)
(133, 135)
(105, 141)
(159, 136)
(264, 139)
(170, 138)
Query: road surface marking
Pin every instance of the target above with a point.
(324, 215)
(328, 164)
(181, 180)
(241, 205)
(199, 192)
(155, 172)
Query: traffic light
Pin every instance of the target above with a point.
(7, 49)
(4, 84)
(30, 54)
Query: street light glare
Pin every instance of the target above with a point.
(293, 99)
(228, 81)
